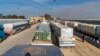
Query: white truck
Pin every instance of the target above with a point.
(64, 34)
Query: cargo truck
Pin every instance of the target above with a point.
(43, 31)
(2, 33)
(12, 28)
(91, 33)
(63, 35)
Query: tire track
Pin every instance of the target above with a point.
(84, 49)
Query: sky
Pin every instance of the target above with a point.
(66, 9)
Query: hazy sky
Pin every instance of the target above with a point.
(62, 8)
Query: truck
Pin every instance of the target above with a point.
(62, 34)
(12, 28)
(43, 31)
(2, 33)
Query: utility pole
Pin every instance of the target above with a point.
(18, 12)
(54, 5)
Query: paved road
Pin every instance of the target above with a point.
(22, 38)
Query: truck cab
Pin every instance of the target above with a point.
(2, 34)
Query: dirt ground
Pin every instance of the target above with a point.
(81, 49)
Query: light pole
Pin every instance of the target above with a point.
(18, 12)
(54, 4)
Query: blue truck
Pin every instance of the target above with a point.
(2, 33)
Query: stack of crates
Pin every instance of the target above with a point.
(43, 32)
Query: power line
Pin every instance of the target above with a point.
(54, 0)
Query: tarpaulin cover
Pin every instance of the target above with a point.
(33, 50)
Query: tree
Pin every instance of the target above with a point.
(14, 16)
(22, 17)
(1, 15)
(47, 16)
(4, 17)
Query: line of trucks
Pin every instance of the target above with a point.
(52, 34)
(90, 31)
(55, 32)
(12, 26)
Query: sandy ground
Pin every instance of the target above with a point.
(24, 37)
(81, 49)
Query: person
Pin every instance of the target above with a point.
(34, 38)
(83, 37)
(27, 54)
(37, 27)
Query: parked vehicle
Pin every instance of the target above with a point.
(89, 28)
(11, 28)
(91, 33)
(43, 31)
(62, 34)
(2, 33)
